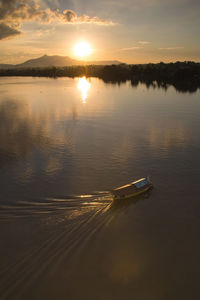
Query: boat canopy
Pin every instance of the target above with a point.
(141, 183)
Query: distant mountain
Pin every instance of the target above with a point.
(102, 62)
(48, 61)
(56, 61)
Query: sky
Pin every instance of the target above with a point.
(131, 31)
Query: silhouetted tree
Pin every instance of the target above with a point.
(184, 76)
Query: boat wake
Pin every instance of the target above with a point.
(54, 205)
(50, 236)
(42, 234)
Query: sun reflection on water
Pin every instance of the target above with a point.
(83, 86)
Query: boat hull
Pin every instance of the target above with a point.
(131, 190)
(132, 195)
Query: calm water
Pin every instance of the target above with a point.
(63, 143)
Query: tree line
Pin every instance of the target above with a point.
(184, 76)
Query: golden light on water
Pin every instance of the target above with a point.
(83, 86)
(82, 49)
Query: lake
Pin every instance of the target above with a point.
(63, 144)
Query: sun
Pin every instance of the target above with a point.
(82, 49)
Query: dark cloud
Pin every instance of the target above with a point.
(69, 16)
(6, 31)
(17, 11)
(14, 12)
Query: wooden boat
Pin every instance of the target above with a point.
(132, 189)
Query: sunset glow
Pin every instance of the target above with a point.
(144, 32)
(82, 49)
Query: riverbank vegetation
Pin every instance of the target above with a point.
(184, 76)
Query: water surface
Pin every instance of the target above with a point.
(63, 144)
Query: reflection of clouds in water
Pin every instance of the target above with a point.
(124, 150)
(23, 132)
(168, 137)
(18, 136)
(25, 127)
(70, 142)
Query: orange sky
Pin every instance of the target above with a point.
(131, 31)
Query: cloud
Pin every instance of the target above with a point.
(135, 47)
(69, 16)
(14, 12)
(130, 48)
(171, 48)
(6, 31)
(144, 42)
